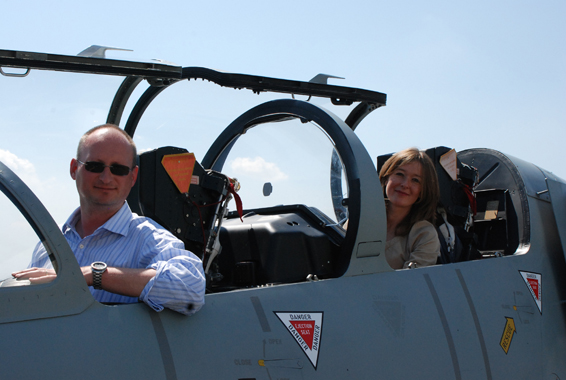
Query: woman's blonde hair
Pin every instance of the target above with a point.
(425, 206)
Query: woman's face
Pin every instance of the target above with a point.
(403, 186)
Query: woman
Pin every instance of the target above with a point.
(411, 189)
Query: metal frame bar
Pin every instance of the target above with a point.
(365, 190)
(161, 76)
(88, 65)
(121, 99)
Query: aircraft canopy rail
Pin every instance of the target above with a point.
(86, 65)
(159, 74)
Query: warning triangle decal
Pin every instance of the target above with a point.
(534, 284)
(306, 329)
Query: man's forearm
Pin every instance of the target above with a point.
(125, 281)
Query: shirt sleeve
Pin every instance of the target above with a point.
(179, 283)
(423, 245)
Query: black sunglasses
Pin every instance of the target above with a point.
(98, 167)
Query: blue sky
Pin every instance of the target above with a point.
(460, 74)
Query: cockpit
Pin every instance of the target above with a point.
(295, 237)
(289, 224)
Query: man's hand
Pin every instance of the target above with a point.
(36, 275)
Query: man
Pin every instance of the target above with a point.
(123, 257)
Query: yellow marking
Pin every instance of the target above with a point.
(261, 363)
(514, 307)
(508, 333)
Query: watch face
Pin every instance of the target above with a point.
(98, 265)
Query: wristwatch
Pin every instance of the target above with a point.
(97, 268)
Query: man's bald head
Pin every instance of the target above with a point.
(84, 138)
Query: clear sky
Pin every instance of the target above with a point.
(460, 74)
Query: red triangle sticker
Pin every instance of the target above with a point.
(534, 285)
(305, 330)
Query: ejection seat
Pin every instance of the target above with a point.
(457, 206)
(174, 190)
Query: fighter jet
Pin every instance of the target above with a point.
(291, 293)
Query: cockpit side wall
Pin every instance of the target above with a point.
(539, 201)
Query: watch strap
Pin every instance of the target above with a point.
(97, 279)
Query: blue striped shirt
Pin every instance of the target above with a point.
(130, 241)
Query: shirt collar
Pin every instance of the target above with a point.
(118, 223)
